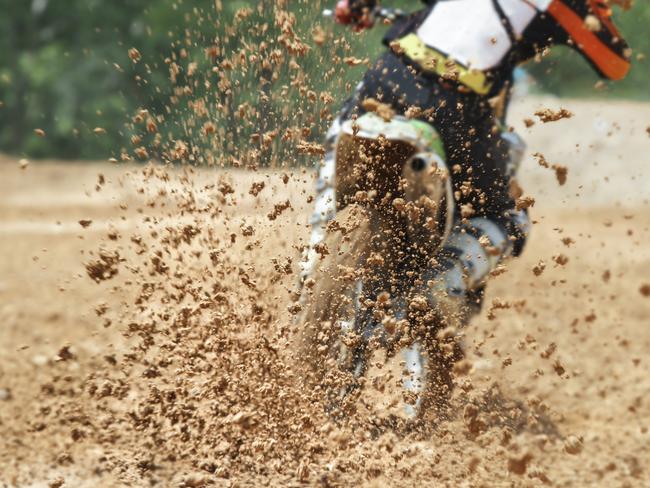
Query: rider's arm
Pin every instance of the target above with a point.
(589, 29)
(355, 13)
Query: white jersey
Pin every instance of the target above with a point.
(474, 32)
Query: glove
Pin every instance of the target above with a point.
(355, 12)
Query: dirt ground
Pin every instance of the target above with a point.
(172, 369)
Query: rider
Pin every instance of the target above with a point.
(451, 61)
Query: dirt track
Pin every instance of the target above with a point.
(535, 400)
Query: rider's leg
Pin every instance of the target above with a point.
(455, 281)
(494, 231)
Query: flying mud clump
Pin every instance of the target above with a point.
(105, 266)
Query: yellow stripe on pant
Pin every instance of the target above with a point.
(432, 61)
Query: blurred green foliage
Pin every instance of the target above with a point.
(65, 68)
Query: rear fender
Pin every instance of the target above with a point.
(422, 136)
(397, 166)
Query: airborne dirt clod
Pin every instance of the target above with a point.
(548, 115)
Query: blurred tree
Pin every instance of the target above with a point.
(56, 74)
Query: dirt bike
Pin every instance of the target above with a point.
(395, 204)
(394, 210)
